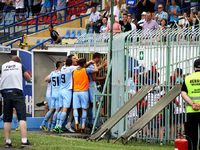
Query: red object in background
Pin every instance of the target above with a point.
(181, 144)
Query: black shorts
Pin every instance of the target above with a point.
(19, 11)
(36, 8)
(14, 100)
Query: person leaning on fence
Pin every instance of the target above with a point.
(191, 94)
(12, 91)
(54, 35)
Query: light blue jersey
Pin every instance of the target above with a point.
(66, 77)
(91, 84)
(48, 94)
(66, 86)
(55, 88)
(55, 83)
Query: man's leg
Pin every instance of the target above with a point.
(191, 130)
(23, 128)
(7, 117)
(7, 129)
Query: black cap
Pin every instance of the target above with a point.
(197, 63)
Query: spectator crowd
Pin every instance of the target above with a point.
(129, 14)
(144, 14)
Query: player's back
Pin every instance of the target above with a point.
(66, 77)
(55, 83)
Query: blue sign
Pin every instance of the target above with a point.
(26, 59)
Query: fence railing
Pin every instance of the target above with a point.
(12, 31)
(162, 57)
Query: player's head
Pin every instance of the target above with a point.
(59, 64)
(68, 62)
(16, 59)
(73, 58)
(97, 57)
(197, 65)
(82, 62)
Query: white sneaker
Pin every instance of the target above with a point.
(69, 128)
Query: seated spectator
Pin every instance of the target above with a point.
(131, 5)
(183, 21)
(46, 8)
(60, 5)
(130, 20)
(104, 26)
(116, 27)
(163, 24)
(97, 25)
(161, 14)
(54, 35)
(19, 6)
(36, 7)
(150, 23)
(94, 17)
(174, 12)
(125, 25)
(164, 3)
(143, 16)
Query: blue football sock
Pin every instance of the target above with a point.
(46, 118)
(54, 120)
(15, 120)
(49, 125)
(75, 113)
(58, 118)
(90, 116)
(84, 117)
(62, 118)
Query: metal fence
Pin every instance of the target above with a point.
(162, 57)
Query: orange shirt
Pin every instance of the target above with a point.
(80, 79)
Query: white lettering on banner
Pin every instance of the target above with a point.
(131, 2)
(29, 104)
(5, 49)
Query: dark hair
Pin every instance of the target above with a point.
(179, 71)
(68, 62)
(125, 14)
(81, 62)
(51, 26)
(70, 56)
(58, 63)
(106, 18)
(96, 55)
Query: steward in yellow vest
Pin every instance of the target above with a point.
(191, 94)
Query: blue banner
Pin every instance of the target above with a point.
(26, 59)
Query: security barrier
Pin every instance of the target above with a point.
(159, 57)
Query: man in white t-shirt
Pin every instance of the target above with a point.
(19, 4)
(94, 17)
(11, 87)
